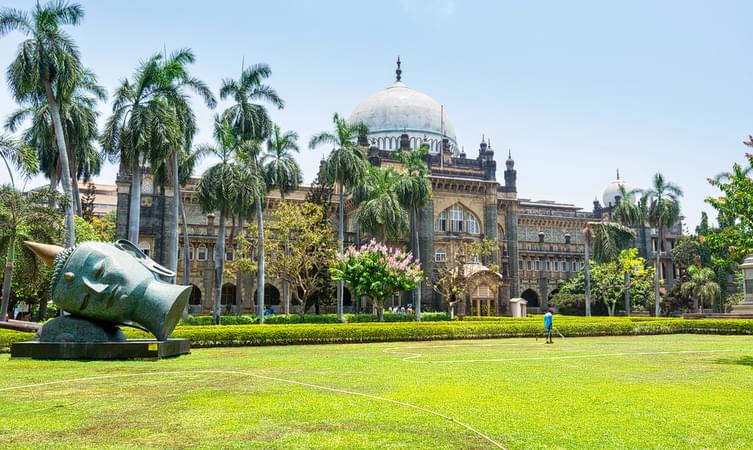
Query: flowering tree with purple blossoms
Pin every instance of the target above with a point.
(377, 271)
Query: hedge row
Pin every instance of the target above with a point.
(254, 335)
(313, 318)
(244, 335)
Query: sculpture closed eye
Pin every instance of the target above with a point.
(117, 284)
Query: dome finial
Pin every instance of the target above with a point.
(618, 174)
(398, 71)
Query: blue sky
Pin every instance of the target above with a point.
(574, 89)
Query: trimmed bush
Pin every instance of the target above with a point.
(7, 337)
(282, 319)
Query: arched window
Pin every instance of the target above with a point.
(201, 253)
(191, 253)
(457, 219)
(440, 255)
(390, 143)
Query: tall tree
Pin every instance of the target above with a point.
(174, 83)
(252, 124)
(224, 187)
(346, 166)
(414, 192)
(663, 203)
(380, 212)
(282, 172)
(46, 63)
(701, 286)
(79, 115)
(606, 239)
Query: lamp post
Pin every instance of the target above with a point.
(746, 306)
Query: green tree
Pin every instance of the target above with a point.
(414, 192)
(701, 286)
(607, 240)
(345, 166)
(251, 123)
(79, 115)
(17, 155)
(663, 203)
(24, 218)
(377, 272)
(281, 170)
(46, 64)
(380, 212)
(226, 187)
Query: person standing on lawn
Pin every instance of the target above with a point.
(548, 323)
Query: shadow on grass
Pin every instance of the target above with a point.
(741, 361)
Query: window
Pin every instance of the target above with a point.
(229, 255)
(190, 253)
(530, 265)
(201, 253)
(556, 266)
(456, 219)
(441, 223)
(474, 259)
(144, 247)
(538, 265)
(440, 255)
(520, 264)
(548, 266)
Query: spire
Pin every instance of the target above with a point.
(398, 71)
(509, 154)
(618, 174)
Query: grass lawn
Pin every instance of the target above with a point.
(671, 391)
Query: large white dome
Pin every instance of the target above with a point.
(399, 109)
(612, 191)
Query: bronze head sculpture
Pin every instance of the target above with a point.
(114, 284)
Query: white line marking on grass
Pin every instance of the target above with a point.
(265, 377)
(411, 357)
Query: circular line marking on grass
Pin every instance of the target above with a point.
(412, 357)
(265, 377)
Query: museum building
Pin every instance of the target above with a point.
(539, 242)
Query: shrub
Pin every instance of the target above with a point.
(224, 320)
(7, 337)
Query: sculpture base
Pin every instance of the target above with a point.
(130, 349)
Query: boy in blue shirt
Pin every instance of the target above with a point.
(548, 325)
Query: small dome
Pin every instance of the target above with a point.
(399, 109)
(613, 191)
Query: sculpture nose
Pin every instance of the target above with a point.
(94, 286)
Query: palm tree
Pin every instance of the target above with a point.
(172, 85)
(46, 63)
(346, 166)
(18, 155)
(223, 188)
(252, 124)
(23, 218)
(663, 204)
(626, 211)
(701, 286)
(414, 192)
(282, 171)
(380, 212)
(79, 114)
(143, 123)
(607, 240)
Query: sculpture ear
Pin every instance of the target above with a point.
(128, 247)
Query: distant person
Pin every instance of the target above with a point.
(548, 323)
(402, 310)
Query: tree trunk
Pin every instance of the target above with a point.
(171, 230)
(416, 255)
(380, 310)
(260, 263)
(53, 185)
(186, 246)
(627, 294)
(134, 209)
(7, 278)
(587, 277)
(657, 299)
(76, 190)
(340, 249)
(239, 274)
(219, 268)
(70, 231)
